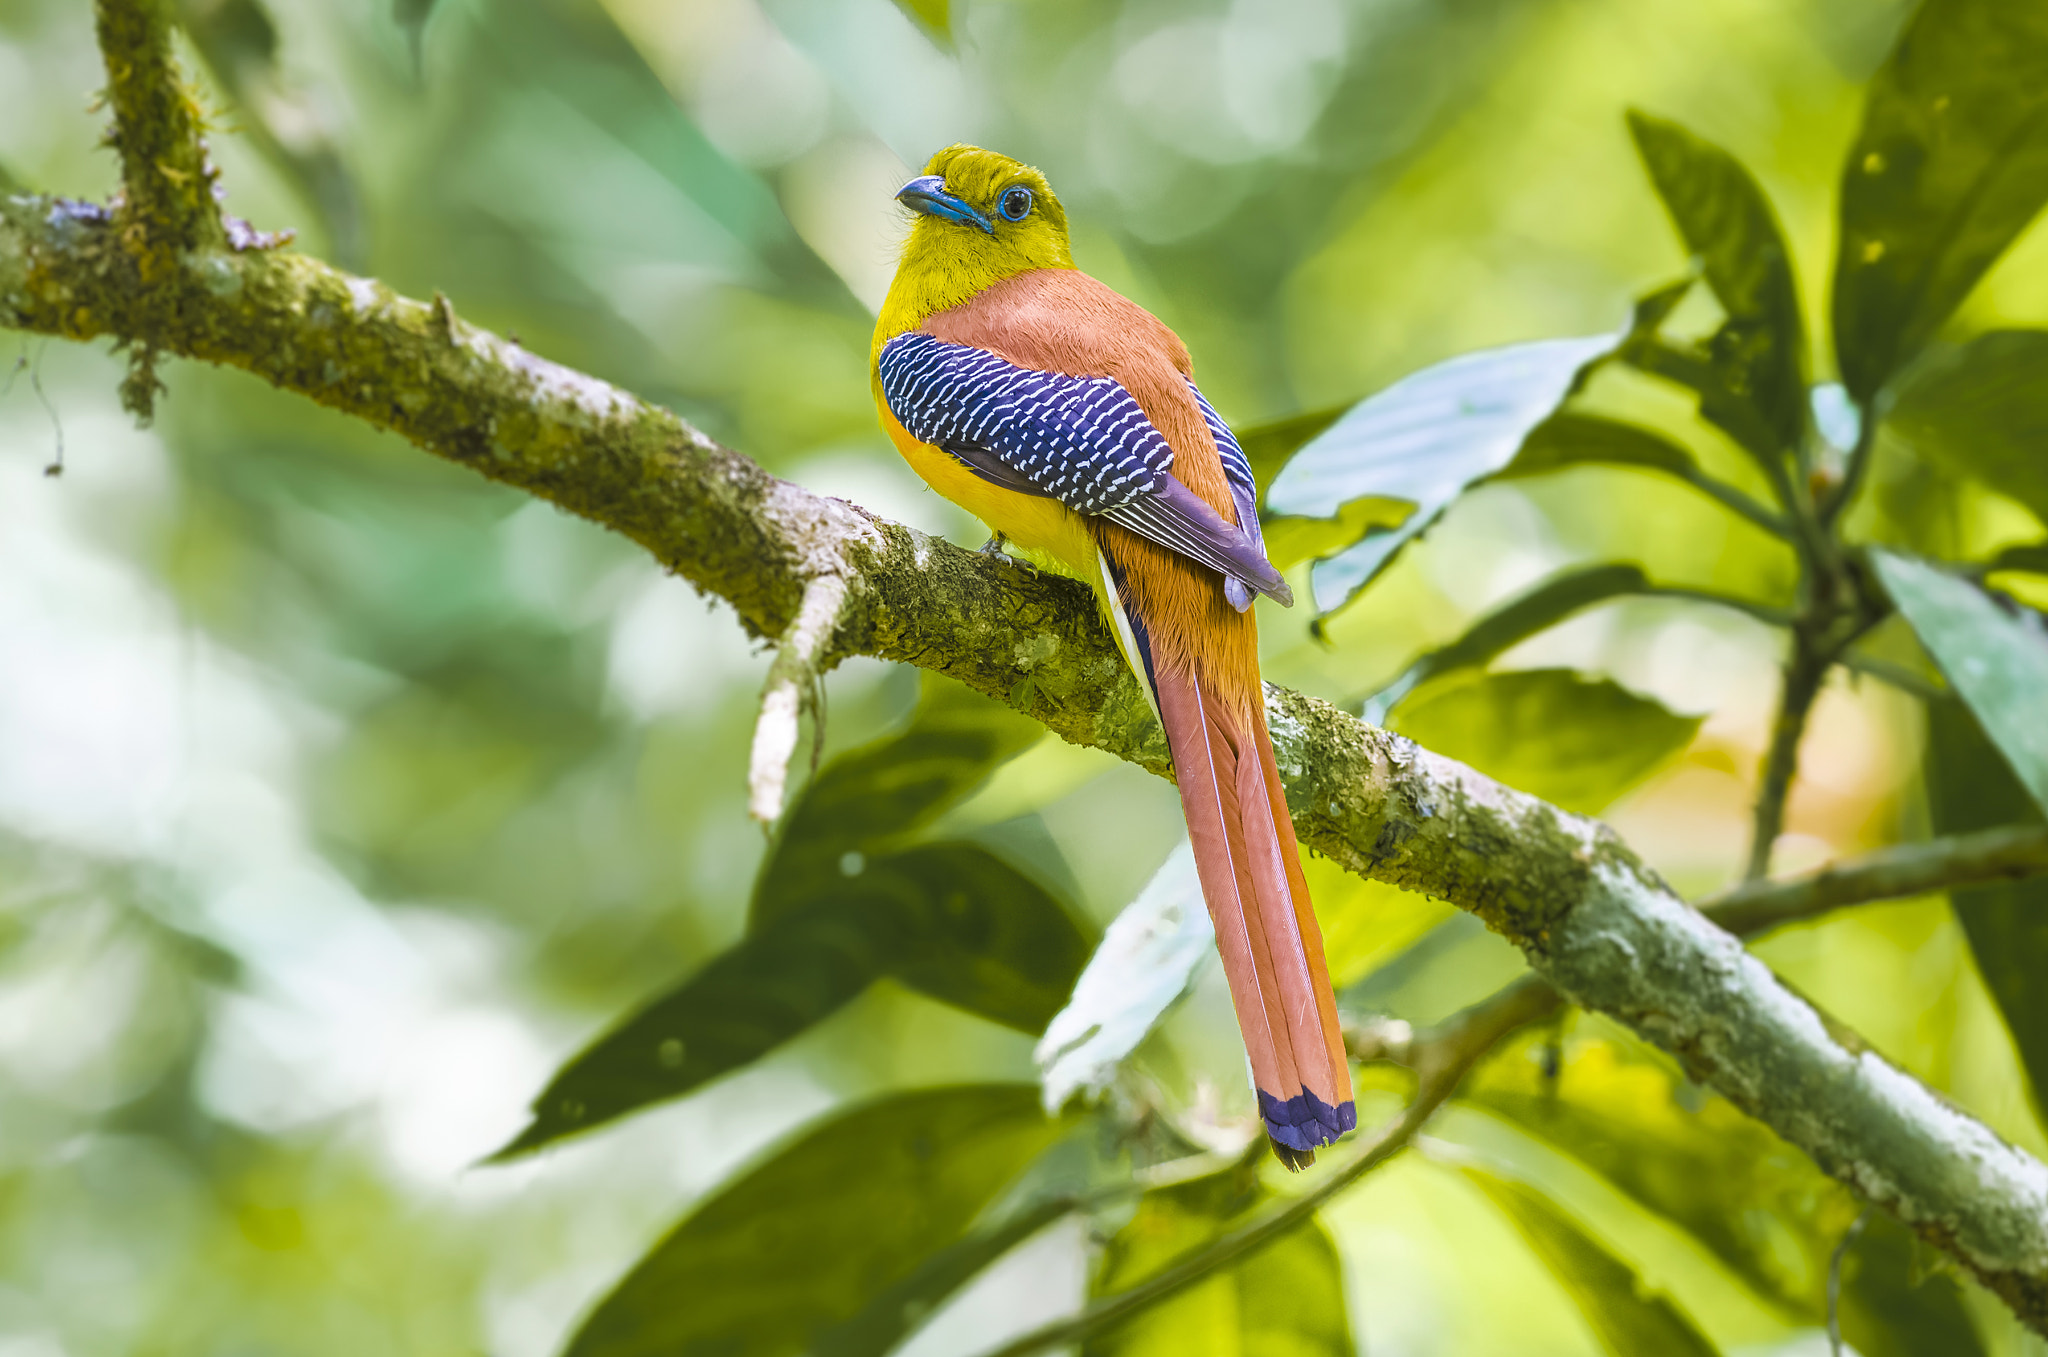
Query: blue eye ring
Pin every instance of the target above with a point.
(1015, 204)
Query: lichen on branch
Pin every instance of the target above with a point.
(1594, 921)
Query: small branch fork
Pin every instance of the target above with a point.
(801, 657)
(1596, 923)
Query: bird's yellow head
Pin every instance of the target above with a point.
(982, 217)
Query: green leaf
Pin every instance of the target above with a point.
(1422, 441)
(1268, 446)
(836, 909)
(1569, 439)
(1291, 540)
(1575, 742)
(1073, 1175)
(974, 932)
(1728, 225)
(1628, 1319)
(2031, 558)
(1146, 961)
(805, 1240)
(1895, 1306)
(1625, 1112)
(878, 795)
(1970, 787)
(1981, 410)
(1950, 165)
(1543, 607)
(1287, 1297)
(933, 16)
(950, 919)
(1996, 660)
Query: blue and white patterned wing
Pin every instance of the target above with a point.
(1081, 440)
(1244, 491)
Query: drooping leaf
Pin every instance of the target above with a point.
(1542, 607)
(1571, 439)
(1981, 410)
(1624, 1111)
(879, 795)
(1951, 163)
(1996, 660)
(767, 988)
(1728, 225)
(1627, 1318)
(975, 932)
(1576, 742)
(1287, 1297)
(1895, 1305)
(1147, 959)
(1075, 1174)
(950, 919)
(1423, 440)
(806, 1239)
(836, 908)
(1970, 787)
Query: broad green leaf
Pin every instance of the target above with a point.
(1287, 1297)
(1290, 540)
(1970, 787)
(1268, 446)
(950, 919)
(1074, 1175)
(1894, 1301)
(1365, 923)
(880, 794)
(1728, 225)
(974, 932)
(1996, 660)
(894, 1314)
(1423, 440)
(1624, 1111)
(1543, 607)
(1981, 410)
(1575, 742)
(1146, 960)
(1570, 439)
(1951, 163)
(1627, 1318)
(806, 1239)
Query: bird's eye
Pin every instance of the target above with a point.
(1016, 203)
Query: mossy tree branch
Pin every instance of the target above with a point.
(1593, 920)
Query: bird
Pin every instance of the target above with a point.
(1066, 418)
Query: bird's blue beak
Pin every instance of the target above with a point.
(927, 194)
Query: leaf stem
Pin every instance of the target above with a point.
(1442, 1060)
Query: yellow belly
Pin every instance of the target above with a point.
(1046, 530)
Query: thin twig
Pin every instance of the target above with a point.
(1441, 1059)
(1805, 671)
(2008, 854)
(1835, 1282)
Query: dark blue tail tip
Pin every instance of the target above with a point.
(1297, 1125)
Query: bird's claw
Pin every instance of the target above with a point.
(994, 545)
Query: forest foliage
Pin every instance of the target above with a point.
(504, 768)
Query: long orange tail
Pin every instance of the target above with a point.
(1266, 930)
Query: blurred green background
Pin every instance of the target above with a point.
(343, 795)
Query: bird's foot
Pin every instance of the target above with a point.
(994, 545)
